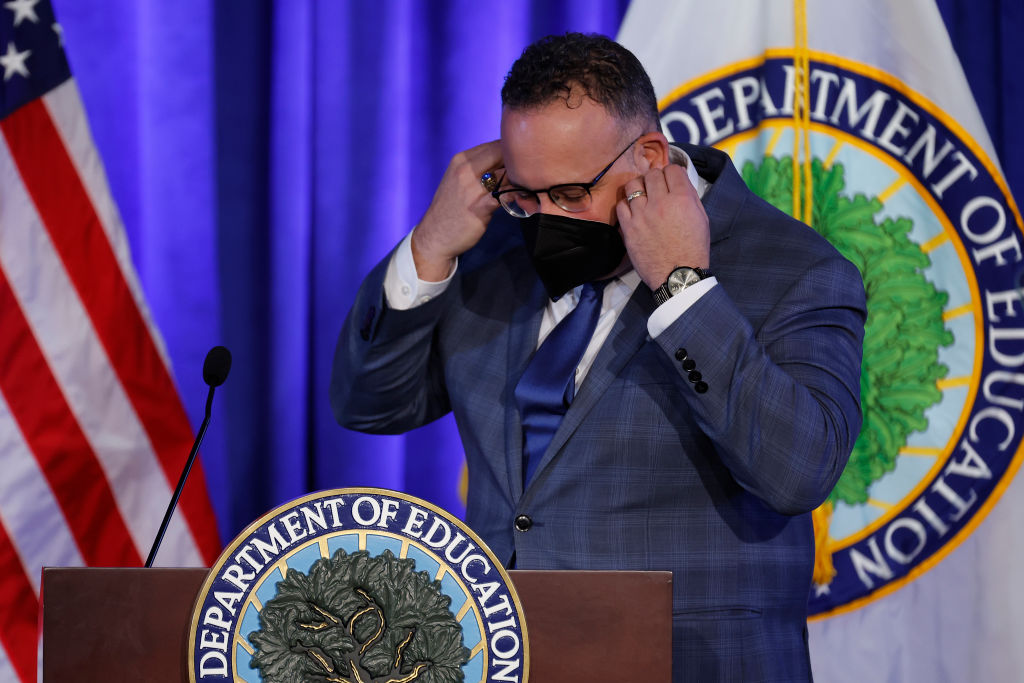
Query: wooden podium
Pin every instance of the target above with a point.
(132, 624)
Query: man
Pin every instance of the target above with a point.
(682, 403)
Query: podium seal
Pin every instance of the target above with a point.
(358, 585)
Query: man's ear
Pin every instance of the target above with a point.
(651, 151)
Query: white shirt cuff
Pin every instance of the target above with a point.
(402, 286)
(667, 313)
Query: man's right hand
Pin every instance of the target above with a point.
(458, 215)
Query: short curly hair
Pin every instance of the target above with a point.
(606, 72)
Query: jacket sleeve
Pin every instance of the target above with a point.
(386, 377)
(781, 403)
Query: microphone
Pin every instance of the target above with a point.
(216, 367)
(215, 371)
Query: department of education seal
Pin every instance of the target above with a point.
(358, 586)
(914, 202)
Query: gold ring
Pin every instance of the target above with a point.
(489, 182)
(634, 195)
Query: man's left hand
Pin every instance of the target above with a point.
(665, 227)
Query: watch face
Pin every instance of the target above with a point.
(681, 278)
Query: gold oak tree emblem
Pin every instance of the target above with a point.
(357, 618)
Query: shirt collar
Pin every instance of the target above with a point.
(678, 156)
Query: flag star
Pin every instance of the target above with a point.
(820, 590)
(14, 62)
(23, 9)
(59, 30)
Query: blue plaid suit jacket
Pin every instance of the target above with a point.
(645, 472)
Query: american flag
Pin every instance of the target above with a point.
(92, 431)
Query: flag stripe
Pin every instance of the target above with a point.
(18, 617)
(64, 105)
(60, 447)
(34, 520)
(7, 672)
(57, 191)
(82, 369)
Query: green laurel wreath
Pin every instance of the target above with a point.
(904, 327)
(357, 617)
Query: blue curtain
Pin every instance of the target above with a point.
(266, 154)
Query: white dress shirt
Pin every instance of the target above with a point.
(404, 290)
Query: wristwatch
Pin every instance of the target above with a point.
(678, 280)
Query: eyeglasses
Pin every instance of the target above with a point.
(571, 197)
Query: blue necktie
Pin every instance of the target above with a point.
(546, 388)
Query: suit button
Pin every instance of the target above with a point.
(689, 364)
(680, 354)
(694, 376)
(523, 523)
(700, 387)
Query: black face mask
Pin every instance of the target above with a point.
(567, 252)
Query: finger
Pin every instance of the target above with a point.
(491, 179)
(486, 165)
(633, 185)
(677, 180)
(633, 191)
(654, 181)
(484, 157)
(625, 215)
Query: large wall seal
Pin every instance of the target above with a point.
(911, 199)
(358, 586)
